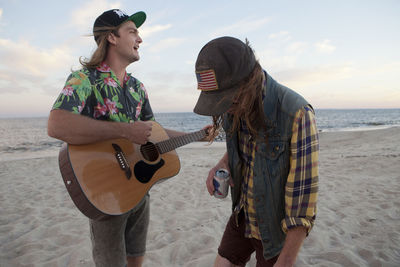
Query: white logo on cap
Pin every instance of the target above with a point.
(120, 13)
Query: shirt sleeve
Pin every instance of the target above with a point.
(301, 189)
(146, 113)
(74, 95)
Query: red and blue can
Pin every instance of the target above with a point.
(221, 183)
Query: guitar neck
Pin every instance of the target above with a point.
(175, 142)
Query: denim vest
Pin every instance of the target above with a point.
(271, 166)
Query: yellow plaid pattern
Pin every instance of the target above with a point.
(301, 191)
(302, 182)
(247, 148)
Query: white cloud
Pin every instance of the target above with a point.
(243, 26)
(283, 36)
(271, 59)
(297, 47)
(84, 15)
(1, 16)
(316, 75)
(325, 47)
(346, 85)
(166, 44)
(25, 67)
(281, 51)
(147, 31)
(21, 55)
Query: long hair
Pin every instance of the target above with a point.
(100, 54)
(247, 105)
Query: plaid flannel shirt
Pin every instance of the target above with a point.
(302, 182)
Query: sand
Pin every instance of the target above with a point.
(358, 221)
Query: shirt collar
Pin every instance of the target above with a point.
(103, 67)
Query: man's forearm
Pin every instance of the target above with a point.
(77, 129)
(293, 242)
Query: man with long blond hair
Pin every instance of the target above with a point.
(272, 155)
(100, 102)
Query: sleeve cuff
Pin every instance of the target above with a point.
(292, 222)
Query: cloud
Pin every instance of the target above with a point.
(282, 36)
(243, 26)
(309, 76)
(281, 51)
(325, 47)
(85, 14)
(25, 67)
(166, 44)
(1, 16)
(297, 47)
(84, 17)
(148, 31)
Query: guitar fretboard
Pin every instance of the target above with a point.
(175, 142)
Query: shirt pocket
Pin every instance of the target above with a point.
(272, 156)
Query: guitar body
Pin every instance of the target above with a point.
(103, 183)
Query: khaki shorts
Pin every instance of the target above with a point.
(121, 236)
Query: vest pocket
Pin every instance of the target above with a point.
(272, 150)
(272, 154)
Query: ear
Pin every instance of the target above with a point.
(111, 38)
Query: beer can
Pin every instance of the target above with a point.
(221, 183)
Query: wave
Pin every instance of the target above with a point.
(31, 147)
(376, 123)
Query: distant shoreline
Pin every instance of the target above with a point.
(190, 112)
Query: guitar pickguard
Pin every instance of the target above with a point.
(144, 172)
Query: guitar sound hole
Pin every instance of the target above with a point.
(149, 151)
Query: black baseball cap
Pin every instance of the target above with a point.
(115, 17)
(221, 66)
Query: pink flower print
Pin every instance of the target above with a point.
(111, 106)
(138, 109)
(103, 67)
(100, 110)
(110, 81)
(80, 108)
(144, 89)
(126, 78)
(68, 90)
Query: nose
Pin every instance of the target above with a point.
(139, 39)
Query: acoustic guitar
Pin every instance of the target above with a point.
(111, 177)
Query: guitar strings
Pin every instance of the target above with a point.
(169, 143)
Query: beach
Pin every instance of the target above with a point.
(357, 222)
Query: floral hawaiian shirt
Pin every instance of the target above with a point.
(97, 93)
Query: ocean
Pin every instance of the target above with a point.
(27, 137)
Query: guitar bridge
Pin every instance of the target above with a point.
(121, 159)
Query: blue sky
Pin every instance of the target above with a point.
(337, 54)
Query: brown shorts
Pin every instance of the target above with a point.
(237, 249)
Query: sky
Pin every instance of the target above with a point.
(340, 54)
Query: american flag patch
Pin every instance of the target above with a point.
(206, 80)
